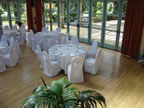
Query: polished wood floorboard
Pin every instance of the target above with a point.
(120, 80)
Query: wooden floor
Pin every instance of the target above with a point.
(120, 80)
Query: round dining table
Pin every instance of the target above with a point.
(11, 33)
(48, 39)
(65, 52)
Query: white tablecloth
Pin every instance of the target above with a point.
(49, 34)
(3, 48)
(65, 52)
(50, 37)
(10, 32)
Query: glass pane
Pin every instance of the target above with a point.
(23, 12)
(4, 16)
(110, 37)
(84, 15)
(73, 18)
(14, 13)
(96, 35)
(122, 25)
(111, 22)
(63, 16)
(97, 7)
(54, 26)
(84, 33)
(47, 14)
(97, 20)
(64, 29)
(112, 15)
(63, 11)
(84, 19)
(54, 15)
(122, 22)
(123, 15)
(73, 11)
(73, 31)
(120, 39)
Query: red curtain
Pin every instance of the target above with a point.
(134, 23)
(29, 15)
(39, 14)
(38, 20)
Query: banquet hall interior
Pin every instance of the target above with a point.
(94, 44)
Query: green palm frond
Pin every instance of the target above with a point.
(58, 94)
(43, 82)
(40, 98)
(39, 88)
(89, 99)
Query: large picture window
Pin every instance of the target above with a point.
(89, 20)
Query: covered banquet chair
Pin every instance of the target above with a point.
(18, 50)
(2, 65)
(22, 34)
(6, 27)
(14, 27)
(74, 41)
(75, 70)
(58, 30)
(30, 36)
(39, 55)
(12, 41)
(92, 51)
(92, 65)
(44, 29)
(64, 39)
(11, 58)
(4, 38)
(50, 68)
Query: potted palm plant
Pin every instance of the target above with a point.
(59, 94)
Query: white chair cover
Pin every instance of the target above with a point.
(11, 58)
(33, 44)
(75, 70)
(44, 29)
(3, 47)
(58, 30)
(47, 28)
(39, 55)
(5, 38)
(67, 38)
(92, 65)
(64, 39)
(47, 43)
(6, 27)
(39, 41)
(14, 27)
(18, 51)
(2, 65)
(51, 68)
(3, 43)
(30, 36)
(22, 34)
(92, 51)
(74, 41)
(12, 41)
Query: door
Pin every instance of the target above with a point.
(73, 17)
(100, 20)
(83, 20)
(97, 21)
(113, 24)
